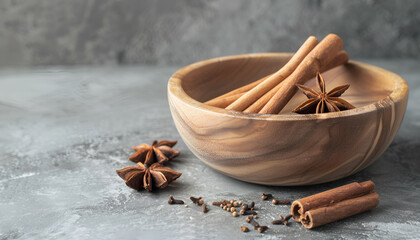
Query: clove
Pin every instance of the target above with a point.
(262, 229)
(252, 204)
(217, 203)
(244, 229)
(197, 201)
(283, 202)
(249, 212)
(266, 196)
(171, 200)
(250, 219)
(204, 208)
(245, 207)
(287, 217)
(277, 222)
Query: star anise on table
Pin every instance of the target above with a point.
(160, 152)
(321, 102)
(154, 176)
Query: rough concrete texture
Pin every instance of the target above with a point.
(77, 32)
(64, 132)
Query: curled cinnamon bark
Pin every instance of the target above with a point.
(254, 94)
(226, 99)
(321, 55)
(335, 204)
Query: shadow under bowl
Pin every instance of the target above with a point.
(286, 149)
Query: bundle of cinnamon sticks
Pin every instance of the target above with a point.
(335, 204)
(270, 94)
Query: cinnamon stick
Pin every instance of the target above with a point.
(321, 55)
(229, 98)
(340, 59)
(335, 204)
(251, 96)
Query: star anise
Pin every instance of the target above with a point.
(147, 178)
(160, 152)
(321, 102)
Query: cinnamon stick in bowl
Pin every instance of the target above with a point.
(335, 204)
(320, 56)
(254, 94)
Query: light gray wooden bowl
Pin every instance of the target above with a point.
(286, 149)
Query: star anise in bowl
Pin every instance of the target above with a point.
(154, 176)
(160, 152)
(321, 101)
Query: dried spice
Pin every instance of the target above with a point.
(282, 220)
(197, 201)
(266, 196)
(154, 176)
(262, 229)
(172, 200)
(160, 152)
(322, 102)
(204, 208)
(281, 202)
(244, 229)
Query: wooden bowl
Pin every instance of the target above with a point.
(286, 149)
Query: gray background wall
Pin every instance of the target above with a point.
(78, 32)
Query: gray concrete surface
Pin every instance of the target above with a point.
(78, 32)
(65, 130)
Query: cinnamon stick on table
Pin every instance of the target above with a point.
(335, 204)
(251, 96)
(321, 55)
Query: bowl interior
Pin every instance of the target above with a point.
(215, 78)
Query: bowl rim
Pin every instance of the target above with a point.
(175, 89)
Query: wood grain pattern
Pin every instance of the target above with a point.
(286, 149)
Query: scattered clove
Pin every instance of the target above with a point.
(266, 196)
(217, 203)
(249, 212)
(244, 229)
(275, 202)
(245, 207)
(171, 200)
(250, 219)
(283, 202)
(252, 204)
(277, 222)
(204, 208)
(196, 200)
(286, 219)
(262, 229)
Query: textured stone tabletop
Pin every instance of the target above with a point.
(64, 132)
